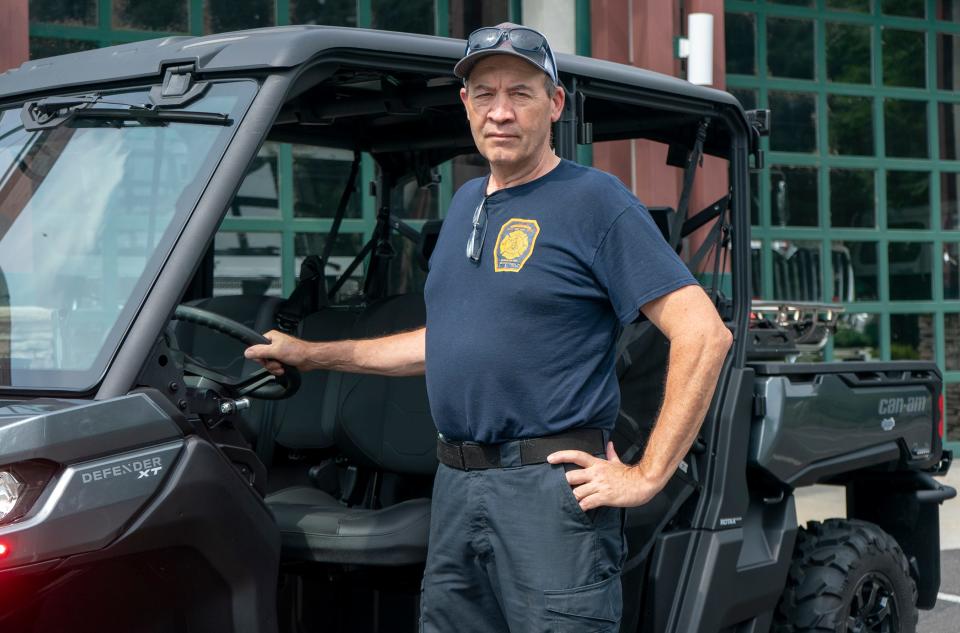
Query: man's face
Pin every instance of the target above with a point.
(509, 110)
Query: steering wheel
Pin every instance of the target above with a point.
(260, 384)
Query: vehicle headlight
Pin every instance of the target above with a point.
(21, 485)
(10, 489)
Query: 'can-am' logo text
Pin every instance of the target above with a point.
(143, 468)
(893, 406)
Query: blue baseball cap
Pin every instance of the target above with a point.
(508, 38)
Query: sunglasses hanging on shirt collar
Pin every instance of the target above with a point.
(477, 233)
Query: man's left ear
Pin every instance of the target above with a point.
(559, 98)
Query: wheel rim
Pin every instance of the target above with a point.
(874, 606)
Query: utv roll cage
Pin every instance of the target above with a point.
(383, 91)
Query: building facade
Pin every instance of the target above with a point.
(862, 175)
(857, 204)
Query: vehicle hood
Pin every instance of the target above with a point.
(68, 430)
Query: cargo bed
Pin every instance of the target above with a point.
(814, 420)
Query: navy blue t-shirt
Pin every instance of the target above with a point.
(523, 342)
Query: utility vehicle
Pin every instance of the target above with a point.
(151, 479)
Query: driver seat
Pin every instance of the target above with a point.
(380, 423)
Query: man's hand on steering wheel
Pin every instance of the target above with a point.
(285, 380)
(283, 349)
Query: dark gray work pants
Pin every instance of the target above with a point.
(511, 551)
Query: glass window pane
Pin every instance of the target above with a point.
(850, 125)
(849, 5)
(911, 336)
(76, 12)
(258, 193)
(41, 47)
(949, 192)
(911, 8)
(466, 167)
(412, 201)
(246, 263)
(908, 200)
(799, 3)
(951, 411)
(796, 121)
(951, 271)
(234, 15)
(905, 128)
(904, 61)
(793, 196)
(407, 272)
(857, 337)
(319, 176)
(848, 53)
(466, 16)
(949, 130)
(910, 265)
(411, 16)
(948, 61)
(746, 97)
(854, 271)
(948, 10)
(150, 15)
(852, 198)
(951, 337)
(796, 270)
(344, 251)
(329, 12)
(790, 48)
(741, 35)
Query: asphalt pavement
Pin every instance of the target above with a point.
(945, 617)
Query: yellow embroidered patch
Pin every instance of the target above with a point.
(514, 244)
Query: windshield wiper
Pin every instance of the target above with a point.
(150, 114)
(53, 111)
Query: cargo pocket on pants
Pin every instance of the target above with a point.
(592, 608)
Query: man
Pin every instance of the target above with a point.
(519, 353)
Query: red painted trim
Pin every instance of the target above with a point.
(14, 33)
(641, 32)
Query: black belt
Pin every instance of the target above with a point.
(474, 456)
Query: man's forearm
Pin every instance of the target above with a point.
(692, 373)
(699, 342)
(395, 355)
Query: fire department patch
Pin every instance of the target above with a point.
(514, 244)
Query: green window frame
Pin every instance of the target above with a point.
(887, 309)
(104, 34)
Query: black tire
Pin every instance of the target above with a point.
(837, 566)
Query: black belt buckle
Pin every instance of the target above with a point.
(449, 451)
(465, 455)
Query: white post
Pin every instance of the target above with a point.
(700, 60)
(554, 18)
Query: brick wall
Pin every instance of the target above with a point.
(14, 34)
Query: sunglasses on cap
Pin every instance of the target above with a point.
(525, 41)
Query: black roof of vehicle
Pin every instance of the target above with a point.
(287, 47)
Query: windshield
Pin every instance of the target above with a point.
(88, 212)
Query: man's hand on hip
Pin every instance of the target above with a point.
(606, 482)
